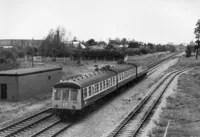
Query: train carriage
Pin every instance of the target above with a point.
(125, 74)
(75, 94)
(80, 92)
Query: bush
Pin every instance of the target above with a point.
(102, 54)
(7, 60)
(188, 51)
(7, 54)
(143, 50)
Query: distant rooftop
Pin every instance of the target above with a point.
(28, 71)
(20, 42)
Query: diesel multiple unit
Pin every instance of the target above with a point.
(75, 94)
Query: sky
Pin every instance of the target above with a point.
(155, 21)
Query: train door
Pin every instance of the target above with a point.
(3, 90)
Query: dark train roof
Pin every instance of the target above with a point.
(122, 68)
(85, 80)
(67, 84)
(137, 63)
(93, 77)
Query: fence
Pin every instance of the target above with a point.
(64, 60)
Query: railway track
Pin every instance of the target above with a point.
(53, 129)
(132, 124)
(19, 126)
(153, 69)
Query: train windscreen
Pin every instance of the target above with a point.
(74, 94)
(65, 94)
(57, 94)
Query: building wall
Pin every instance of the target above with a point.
(20, 42)
(32, 85)
(12, 87)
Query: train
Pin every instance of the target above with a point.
(73, 95)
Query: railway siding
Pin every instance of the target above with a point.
(131, 125)
(182, 108)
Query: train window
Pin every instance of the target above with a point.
(90, 90)
(57, 94)
(85, 93)
(107, 83)
(98, 87)
(74, 94)
(95, 88)
(113, 80)
(65, 94)
(121, 77)
(104, 84)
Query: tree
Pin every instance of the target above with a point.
(110, 47)
(29, 50)
(54, 45)
(114, 42)
(124, 41)
(134, 44)
(90, 42)
(197, 36)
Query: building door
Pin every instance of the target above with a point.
(3, 91)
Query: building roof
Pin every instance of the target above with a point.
(28, 71)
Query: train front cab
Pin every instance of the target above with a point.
(66, 101)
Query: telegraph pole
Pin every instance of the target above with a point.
(32, 52)
(197, 48)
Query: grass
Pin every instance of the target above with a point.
(183, 107)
